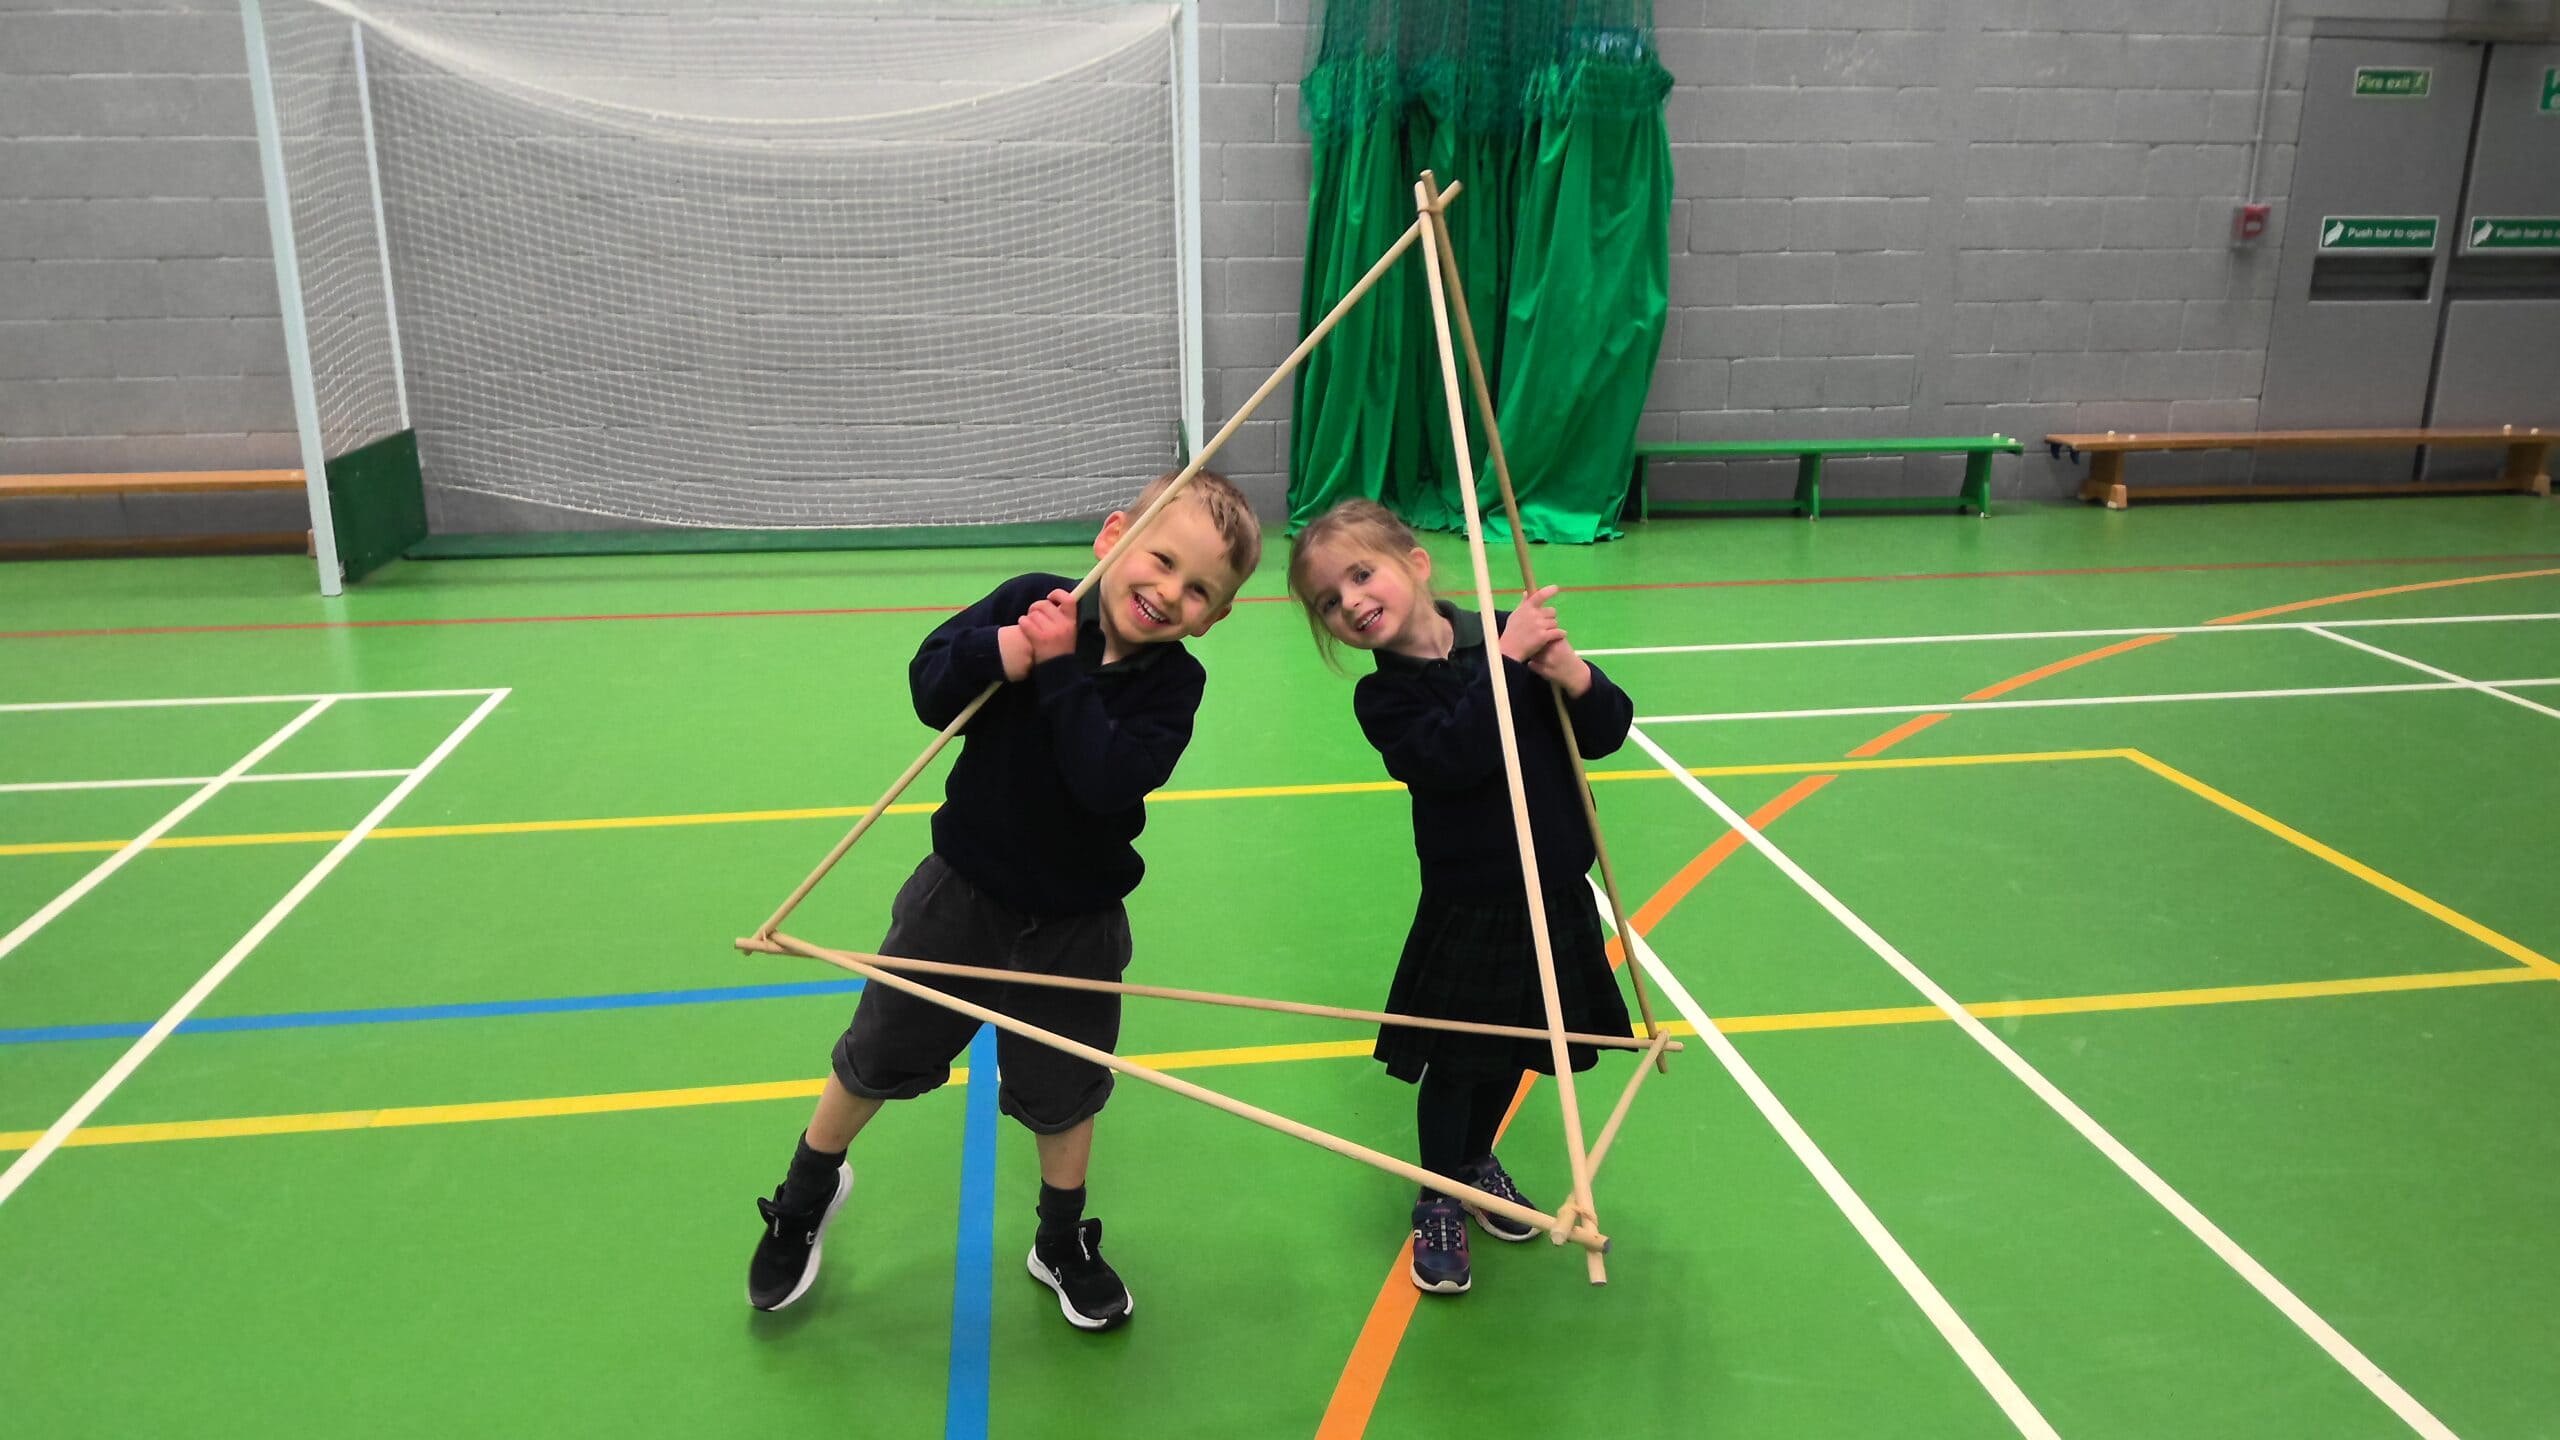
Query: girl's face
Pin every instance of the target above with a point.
(1372, 600)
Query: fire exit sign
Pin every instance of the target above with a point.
(2378, 232)
(2551, 90)
(2385, 82)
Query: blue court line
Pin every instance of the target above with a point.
(973, 1279)
(402, 1014)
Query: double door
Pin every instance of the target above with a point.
(2420, 282)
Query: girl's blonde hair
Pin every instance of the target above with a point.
(1364, 525)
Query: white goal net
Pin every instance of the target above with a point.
(741, 263)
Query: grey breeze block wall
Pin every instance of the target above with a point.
(1891, 217)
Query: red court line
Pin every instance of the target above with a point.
(1264, 599)
(472, 620)
(2082, 570)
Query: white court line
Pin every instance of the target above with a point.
(1959, 1336)
(170, 782)
(2066, 701)
(87, 1105)
(2483, 687)
(31, 706)
(2367, 1373)
(160, 827)
(1859, 641)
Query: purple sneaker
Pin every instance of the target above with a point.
(1440, 1246)
(1488, 1176)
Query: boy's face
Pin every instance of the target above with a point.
(1174, 583)
(1371, 601)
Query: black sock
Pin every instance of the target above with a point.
(1484, 1119)
(811, 1181)
(1060, 1213)
(1442, 1106)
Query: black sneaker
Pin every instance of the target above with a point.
(786, 1259)
(1488, 1176)
(1440, 1247)
(1090, 1294)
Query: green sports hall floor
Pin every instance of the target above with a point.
(444, 1116)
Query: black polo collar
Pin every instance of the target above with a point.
(1466, 632)
(1090, 640)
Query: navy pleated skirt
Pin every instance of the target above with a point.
(1475, 959)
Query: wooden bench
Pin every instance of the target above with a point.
(2527, 471)
(178, 482)
(1809, 455)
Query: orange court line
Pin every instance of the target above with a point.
(1678, 886)
(2042, 672)
(1893, 737)
(2248, 615)
(1364, 1373)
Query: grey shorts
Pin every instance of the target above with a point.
(899, 1046)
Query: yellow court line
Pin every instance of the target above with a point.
(2513, 950)
(631, 1100)
(2134, 1000)
(2531, 966)
(839, 812)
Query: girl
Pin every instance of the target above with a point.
(1470, 956)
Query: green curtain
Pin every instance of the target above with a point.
(1550, 112)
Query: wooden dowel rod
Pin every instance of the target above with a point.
(878, 808)
(1203, 997)
(1528, 585)
(1341, 307)
(1626, 1099)
(1618, 1115)
(1584, 1235)
(1425, 196)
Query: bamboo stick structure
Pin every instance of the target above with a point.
(1137, 527)
(1626, 1098)
(1580, 1233)
(1426, 202)
(1529, 585)
(1576, 1221)
(797, 946)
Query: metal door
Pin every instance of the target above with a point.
(2499, 360)
(2386, 127)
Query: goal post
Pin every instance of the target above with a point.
(735, 273)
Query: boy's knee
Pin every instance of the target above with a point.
(1055, 1109)
(872, 1077)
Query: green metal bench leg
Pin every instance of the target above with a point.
(1977, 481)
(1636, 506)
(1809, 486)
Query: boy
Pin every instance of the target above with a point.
(1031, 860)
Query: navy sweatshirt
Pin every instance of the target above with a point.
(1432, 721)
(1050, 786)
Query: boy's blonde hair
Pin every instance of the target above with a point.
(1363, 524)
(1227, 509)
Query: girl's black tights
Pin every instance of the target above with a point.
(1455, 1118)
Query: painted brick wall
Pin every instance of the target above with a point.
(1891, 216)
(137, 300)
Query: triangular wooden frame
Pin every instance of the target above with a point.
(1578, 1219)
